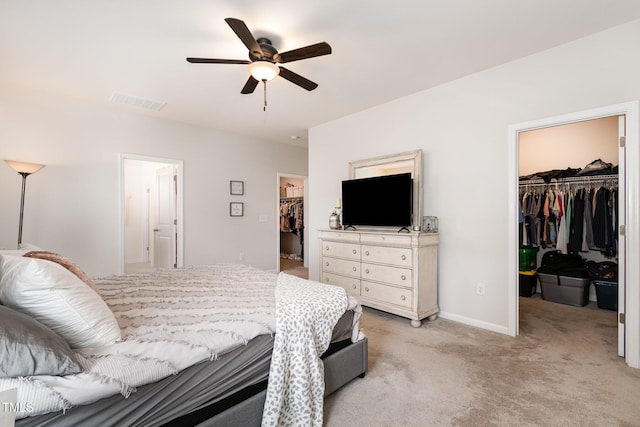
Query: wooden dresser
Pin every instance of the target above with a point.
(389, 271)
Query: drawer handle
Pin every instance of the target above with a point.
(354, 286)
(355, 252)
(366, 253)
(326, 248)
(354, 269)
(403, 298)
(326, 280)
(366, 289)
(403, 257)
(327, 263)
(367, 271)
(403, 277)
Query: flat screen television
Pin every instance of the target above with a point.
(378, 201)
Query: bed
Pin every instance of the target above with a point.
(192, 346)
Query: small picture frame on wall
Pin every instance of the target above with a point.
(236, 209)
(237, 188)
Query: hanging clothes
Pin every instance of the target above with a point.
(577, 217)
(291, 212)
(561, 243)
(577, 223)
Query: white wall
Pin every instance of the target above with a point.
(137, 188)
(72, 206)
(463, 129)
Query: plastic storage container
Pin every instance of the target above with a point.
(528, 281)
(607, 294)
(528, 258)
(565, 289)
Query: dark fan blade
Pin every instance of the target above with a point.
(311, 51)
(297, 79)
(249, 86)
(241, 30)
(217, 61)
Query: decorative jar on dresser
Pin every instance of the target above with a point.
(389, 271)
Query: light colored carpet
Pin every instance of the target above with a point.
(295, 268)
(561, 371)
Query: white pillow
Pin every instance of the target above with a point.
(56, 297)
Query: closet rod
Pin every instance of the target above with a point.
(571, 180)
(291, 199)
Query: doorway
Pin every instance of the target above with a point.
(291, 225)
(151, 215)
(556, 165)
(629, 167)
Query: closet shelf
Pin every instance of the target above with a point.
(590, 179)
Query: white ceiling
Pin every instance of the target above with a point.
(381, 51)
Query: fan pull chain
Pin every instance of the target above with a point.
(264, 81)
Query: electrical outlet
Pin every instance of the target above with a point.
(480, 288)
(241, 256)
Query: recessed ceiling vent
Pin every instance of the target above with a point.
(136, 101)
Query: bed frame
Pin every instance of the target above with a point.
(340, 367)
(343, 362)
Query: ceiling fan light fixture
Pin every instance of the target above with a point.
(263, 70)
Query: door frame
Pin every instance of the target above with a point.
(631, 111)
(304, 217)
(179, 164)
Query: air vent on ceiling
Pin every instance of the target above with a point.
(136, 101)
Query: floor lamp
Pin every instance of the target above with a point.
(24, 169)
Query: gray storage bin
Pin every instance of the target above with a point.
(565, 289)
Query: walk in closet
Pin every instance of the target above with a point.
(291, 223)
(568, 196)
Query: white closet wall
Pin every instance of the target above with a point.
(568, 146)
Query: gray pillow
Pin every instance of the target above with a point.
(27, 347)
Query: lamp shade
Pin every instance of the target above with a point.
(24, 167)
(263, 70)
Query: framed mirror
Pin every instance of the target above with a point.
(410, 161)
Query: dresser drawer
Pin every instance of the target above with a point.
(350, 284)
(342, 236)
(386, 239)
(341, 250)
(385, 255)
(341, 266)
(383, 273)
(386, 294)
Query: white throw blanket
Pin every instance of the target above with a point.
(306, 313)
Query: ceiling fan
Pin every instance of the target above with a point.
(263, 59)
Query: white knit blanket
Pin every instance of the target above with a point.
(170, 321)
(306, 313)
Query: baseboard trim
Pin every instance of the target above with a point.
(474, 322)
